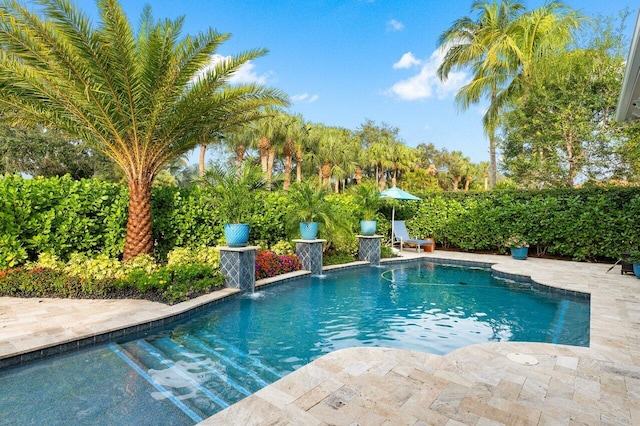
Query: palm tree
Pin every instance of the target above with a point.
(295, 133)
(142, 99)
(238, 141)
(269, 133)
(471, 43)
(501, 48)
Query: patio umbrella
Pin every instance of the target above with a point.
(397, 194)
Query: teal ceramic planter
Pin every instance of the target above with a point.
(309, 230)
(636, 269)
(368, 227)
(236, 234)
(519, 253)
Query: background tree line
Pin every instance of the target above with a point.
(555, 130)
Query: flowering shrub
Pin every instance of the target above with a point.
(269, 264)
(516, 241)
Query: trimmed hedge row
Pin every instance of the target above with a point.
(583, 224)
(63, 216)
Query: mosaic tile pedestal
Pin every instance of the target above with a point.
(310, 254)
(238, 265)
(369, 248)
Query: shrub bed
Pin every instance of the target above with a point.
(167, 285)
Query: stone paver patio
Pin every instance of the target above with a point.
(476, 385)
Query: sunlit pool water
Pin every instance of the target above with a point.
(192, 370)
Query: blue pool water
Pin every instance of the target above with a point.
(194, 369)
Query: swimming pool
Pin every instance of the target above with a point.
(196, 368)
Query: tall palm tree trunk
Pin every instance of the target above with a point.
(287, 172)
(263, 147)
(240, 151)
(139, 235)
(394, 179)
(299, 165)
(359, 175)
(203, 151)
(493, 175)
(326, 173)
(288, 151)
(271, 159)
(336, 186)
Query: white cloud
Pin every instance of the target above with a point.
(426, 83)
(245, 74)
(304, 97)
(407, 61)
(394, 25)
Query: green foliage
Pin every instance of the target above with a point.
(233, 193)
(309, 203)
(269, 223)
(175, 283)
(583, 224)
(201, 255)
(386, 252)
(60, 216)
(337, 258)
(101, 276)
(48, 152)
(183, 218)
(282, 248)
(367, 196)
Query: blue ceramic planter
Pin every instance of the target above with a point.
(636, 269)
(368, 227)
(309, 230)
(519, 253)
(236, 234)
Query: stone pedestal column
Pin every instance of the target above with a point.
(238, 265)
(310, 254)
(369, 248)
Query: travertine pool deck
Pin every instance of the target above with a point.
(476, 385)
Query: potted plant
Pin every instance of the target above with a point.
(518, 246)
(634, 259)
(233, 197)
(368, 197)
(309, 207)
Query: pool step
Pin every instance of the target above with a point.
(203, 374)
(258, 365)
(126, 357)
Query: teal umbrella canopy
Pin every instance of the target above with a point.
(398, 194)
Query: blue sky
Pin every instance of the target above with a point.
(342, 62)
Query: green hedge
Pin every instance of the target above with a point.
(63, 216)
(583, 224)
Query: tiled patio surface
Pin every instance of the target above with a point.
(477, 385)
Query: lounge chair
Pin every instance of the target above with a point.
(401, 235)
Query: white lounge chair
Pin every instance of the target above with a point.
(401, 235)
